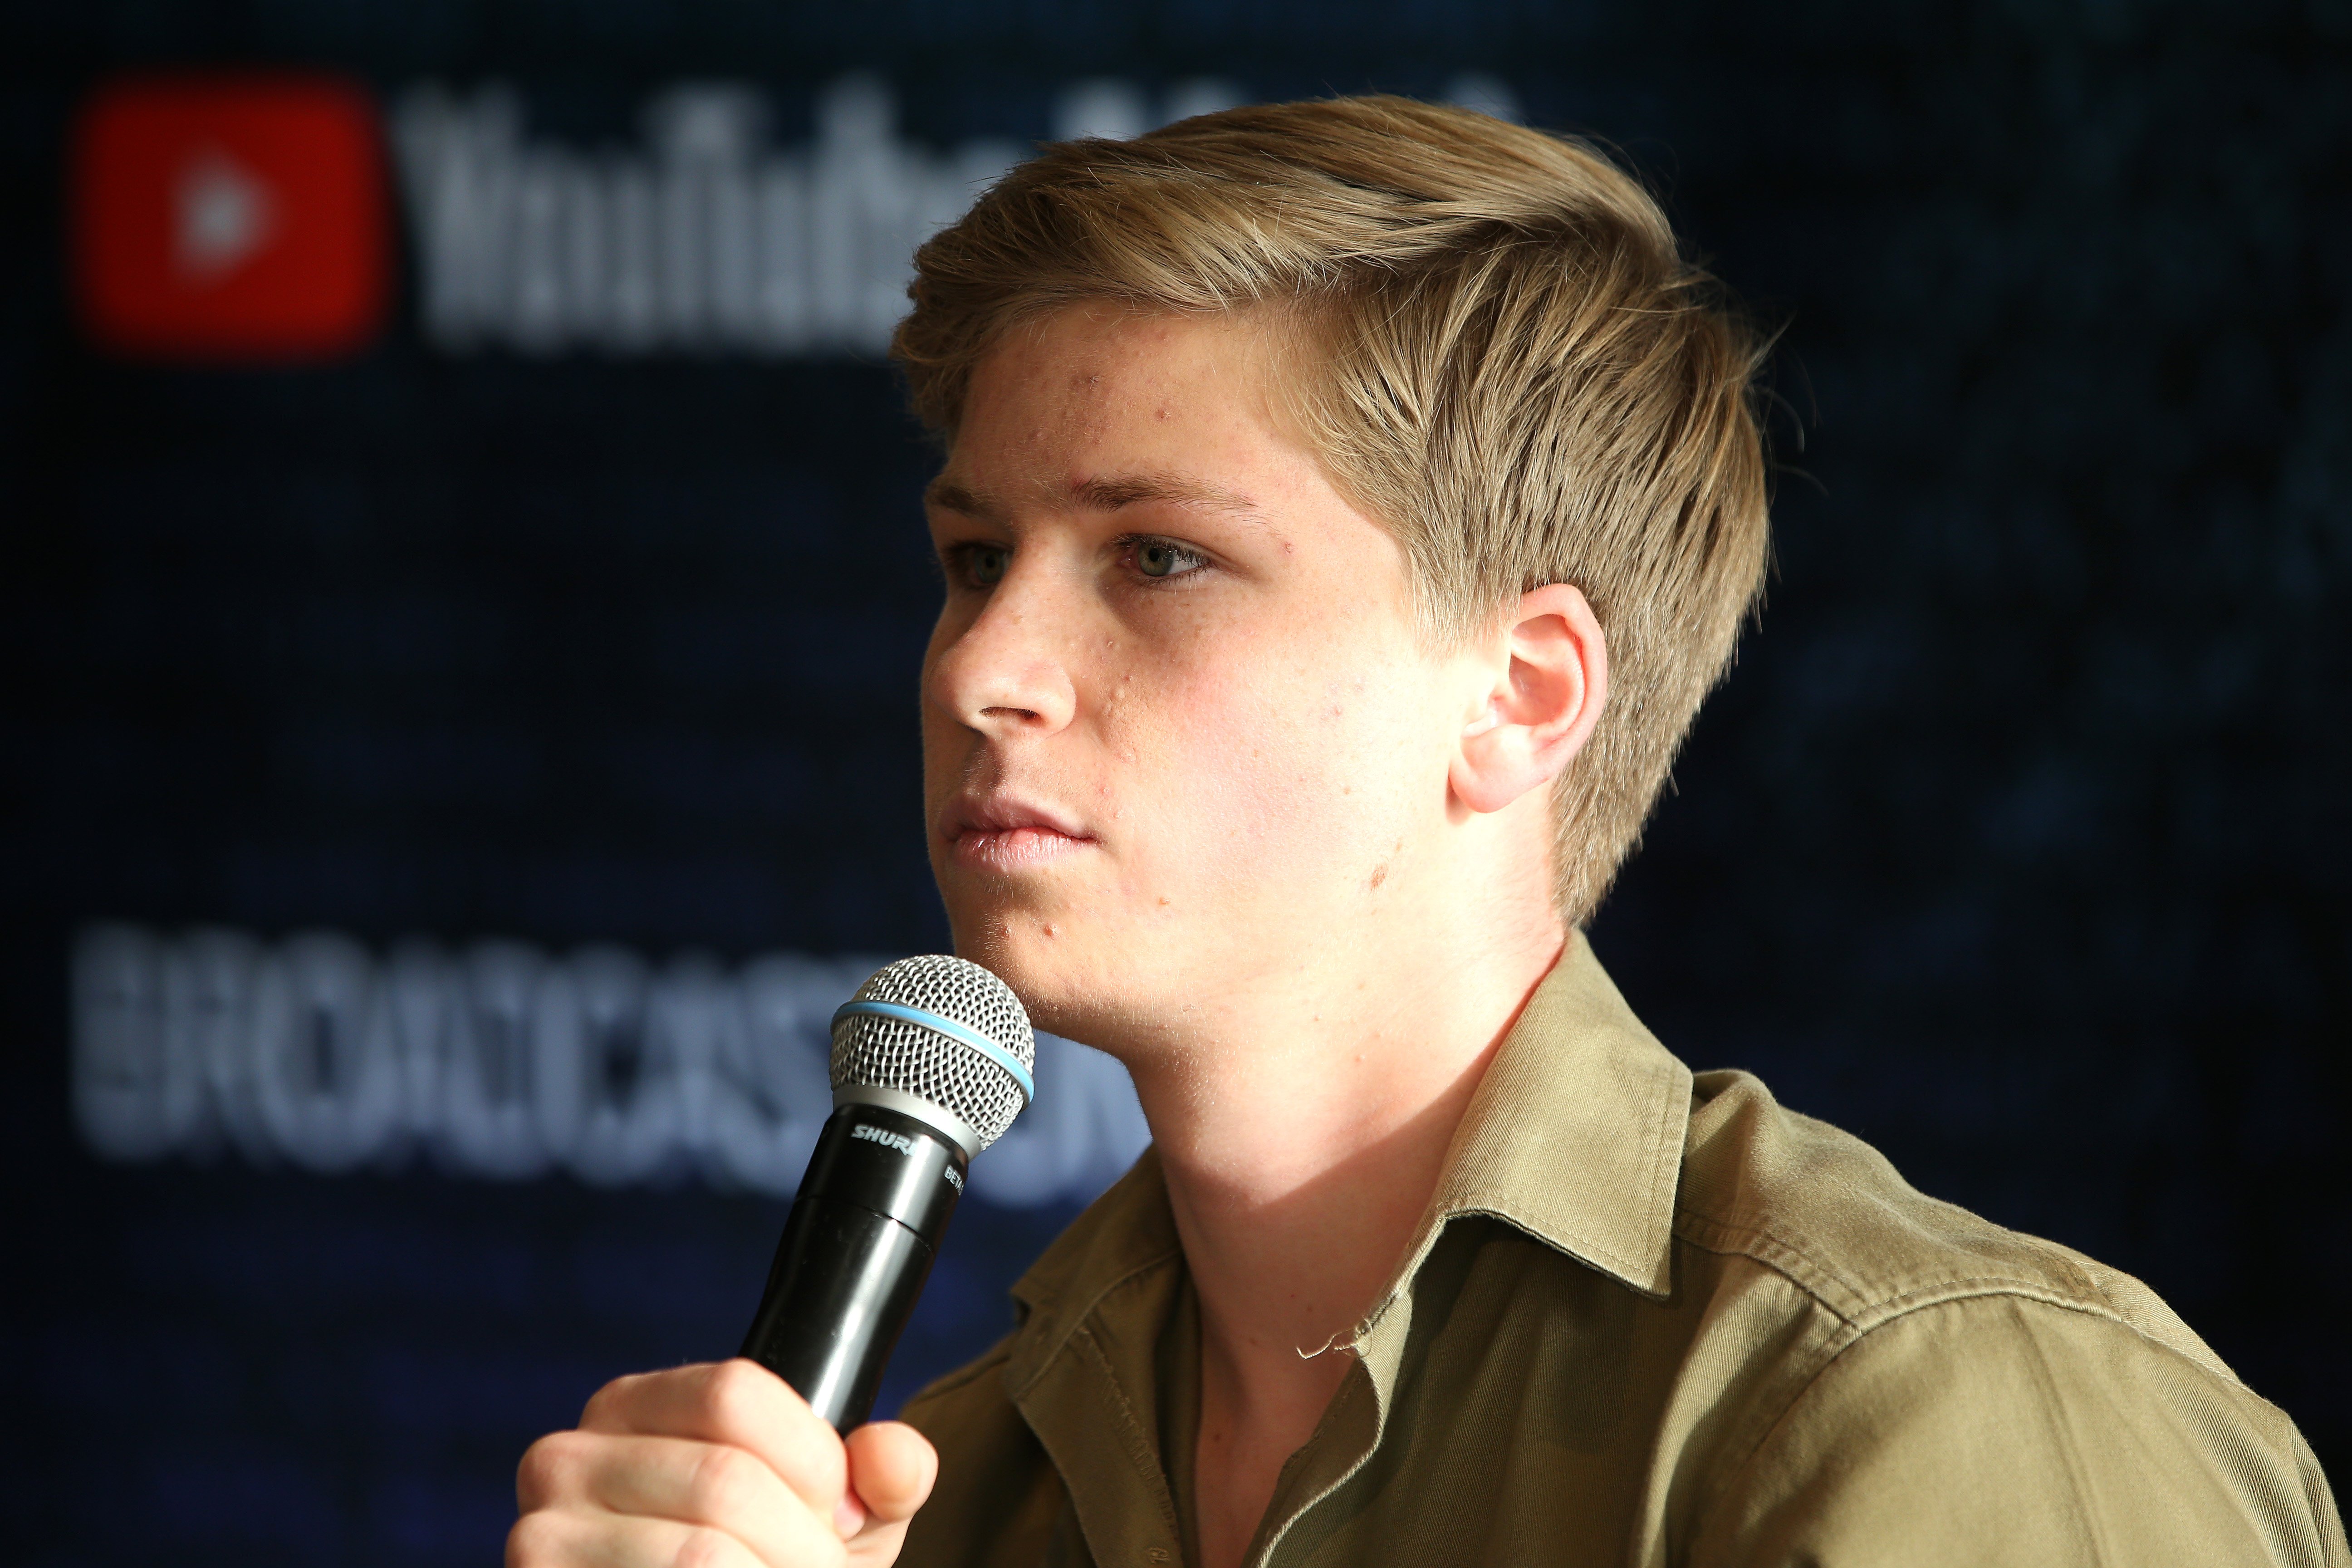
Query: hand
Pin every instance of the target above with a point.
(716, 1465)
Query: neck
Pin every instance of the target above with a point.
(1299, 1159)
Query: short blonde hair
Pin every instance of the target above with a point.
(1518, 373)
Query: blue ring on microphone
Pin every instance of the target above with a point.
(962, 1034)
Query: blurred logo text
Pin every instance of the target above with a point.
(507, 1063)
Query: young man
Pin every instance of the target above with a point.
(1346, 506)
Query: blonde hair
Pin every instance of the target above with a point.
(1516, 371)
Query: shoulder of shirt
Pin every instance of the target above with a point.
(1830, 1214)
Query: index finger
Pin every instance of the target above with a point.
(739, 1403)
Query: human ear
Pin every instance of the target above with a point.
(1551, 682)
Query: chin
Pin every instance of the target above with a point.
(1065, 971)
(1037, 966)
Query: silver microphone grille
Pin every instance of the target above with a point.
(944, 1030)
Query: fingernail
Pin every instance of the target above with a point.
(848, 1517)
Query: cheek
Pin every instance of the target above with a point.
(1291, 761)
(947, 744)
(938, 766)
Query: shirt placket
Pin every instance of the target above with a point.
(1109, 1458)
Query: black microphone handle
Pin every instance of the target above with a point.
(855, 1254)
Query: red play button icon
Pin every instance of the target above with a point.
(228, 217)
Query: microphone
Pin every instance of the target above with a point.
(931, 1061)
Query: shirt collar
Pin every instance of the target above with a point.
(1128, 1232)
(1574, 1135)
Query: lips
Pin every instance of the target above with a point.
(1001, 832)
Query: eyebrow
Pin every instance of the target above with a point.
(1104, 495)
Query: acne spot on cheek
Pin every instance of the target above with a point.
(1379, 874)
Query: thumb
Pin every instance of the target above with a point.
(891, 1469)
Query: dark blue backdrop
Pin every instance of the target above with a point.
(2016, 843)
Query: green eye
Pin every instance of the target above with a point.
(1160, 558)
(985, 565)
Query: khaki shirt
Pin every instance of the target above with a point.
(1647, 1319)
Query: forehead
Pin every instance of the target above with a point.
(1092, 396)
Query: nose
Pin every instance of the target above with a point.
(1004, 673)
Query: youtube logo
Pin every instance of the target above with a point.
(231, 218)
